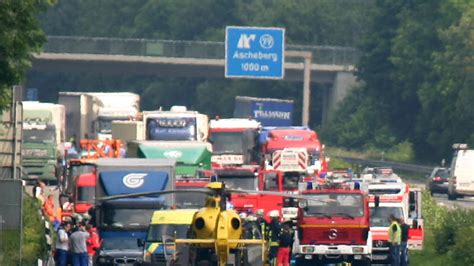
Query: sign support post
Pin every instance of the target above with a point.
(307, 56)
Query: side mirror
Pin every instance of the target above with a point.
(140, 242)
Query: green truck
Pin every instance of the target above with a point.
(190, 156)
(43, 141)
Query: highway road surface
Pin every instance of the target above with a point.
(466, 202)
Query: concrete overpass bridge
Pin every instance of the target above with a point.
(332, 67)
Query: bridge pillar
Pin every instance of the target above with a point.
(332, 96)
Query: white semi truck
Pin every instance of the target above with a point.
(90, 114)
(177, 124)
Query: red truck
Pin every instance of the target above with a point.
(272, 181)
(333, 227)
(294, 150)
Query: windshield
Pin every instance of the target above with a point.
(171, 129)
(189, 200)
(119, 243)
(119, 218)
(227, 142)
(290, 181)
(245, 183)
(85, 194)
(47, 135)
(443, 173)
(333, 204)
(379, 216)
(105, 126)
(384, 191)
(166, 232)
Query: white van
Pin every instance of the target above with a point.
(461, 178)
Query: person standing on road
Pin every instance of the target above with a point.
(285, 242)
(404, 243)
(78, 241)
(93, 243)
(274, 229)
(394, 238)
(62, 244)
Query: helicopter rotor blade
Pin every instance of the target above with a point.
(155, 193)
(275, 193)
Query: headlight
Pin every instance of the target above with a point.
(102, 260)
(307, 249)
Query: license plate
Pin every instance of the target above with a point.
(379, 257)
(308, 257)
(333, 251)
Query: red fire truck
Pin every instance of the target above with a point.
(271, 181)
(293, 150)
(333, 227)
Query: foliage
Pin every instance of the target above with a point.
(20, 36)
(34, 242)
(417, 79)
(448, 234)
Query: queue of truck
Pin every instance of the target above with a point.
(128, 164)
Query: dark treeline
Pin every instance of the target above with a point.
(416, 72)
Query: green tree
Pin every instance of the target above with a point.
(20, 35)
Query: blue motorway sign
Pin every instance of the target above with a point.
(252, 52)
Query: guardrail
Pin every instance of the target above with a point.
(414, 168)
(331, 55)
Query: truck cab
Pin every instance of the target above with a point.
(271, 181)
(234, 141)
(128, 218)
(178, 124)
(191, 199)
(333, 227)
(43, 141)
(294, 150)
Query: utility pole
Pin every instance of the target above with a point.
(307, 56)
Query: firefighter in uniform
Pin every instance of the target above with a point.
(285, 242)
(252, 228)
(274, 229)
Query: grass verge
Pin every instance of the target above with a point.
(34, 242)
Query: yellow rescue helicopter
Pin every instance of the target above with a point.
(214, 227)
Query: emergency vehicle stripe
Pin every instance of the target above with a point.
(276, 159)
(334, 226)
(302, 160)
(152, 248)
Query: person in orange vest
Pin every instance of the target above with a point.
(93, 243)
(49, 211)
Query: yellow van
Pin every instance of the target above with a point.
(165, 226)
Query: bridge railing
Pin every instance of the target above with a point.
(331, 55)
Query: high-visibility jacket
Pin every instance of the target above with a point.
(395, 233)
(274, 230)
